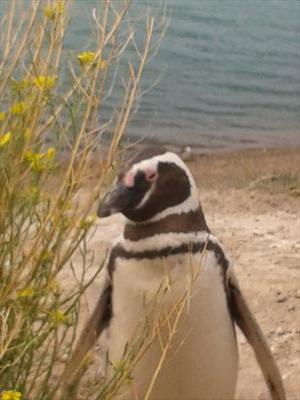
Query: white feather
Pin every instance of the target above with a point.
(159, 241)
(202, 362)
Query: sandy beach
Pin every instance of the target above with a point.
(251, 199)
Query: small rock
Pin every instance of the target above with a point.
(281, 298)
(280, 331)
(291, 308)
(187, 154)
(297, 294)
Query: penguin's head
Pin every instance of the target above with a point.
(156, 183)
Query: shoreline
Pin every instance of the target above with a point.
(209, 141)
(212, 145)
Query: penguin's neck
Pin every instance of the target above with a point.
(192, 221)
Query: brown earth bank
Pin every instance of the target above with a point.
(251, 200)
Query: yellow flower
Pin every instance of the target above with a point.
(35, 160)
(2, 116)
(19, 108)
(40, 161)
(26, 292)
(52, 11)
(45, 82)
(87, 57)
(10, 395)
(58, 318)
(4, 139)
(50, 153)
(49, 12)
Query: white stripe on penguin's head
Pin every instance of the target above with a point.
(151, 164)
(154, 186)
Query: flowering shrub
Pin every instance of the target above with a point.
(10, 395)
(51, 111)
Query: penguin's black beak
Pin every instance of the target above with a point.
(116, 200)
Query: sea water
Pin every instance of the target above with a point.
(227, 72)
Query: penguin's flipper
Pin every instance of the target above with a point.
(245, 320)
(96, 324)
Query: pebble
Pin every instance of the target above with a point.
(187, 154)
(297, 294)
(291, 308)
(281, 298)
(280, 331)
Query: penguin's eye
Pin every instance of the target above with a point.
(151, 175)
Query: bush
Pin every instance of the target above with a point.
(55, 108)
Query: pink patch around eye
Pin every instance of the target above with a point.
(128, 179)
(151, 175)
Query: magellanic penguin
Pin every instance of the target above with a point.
(165, 234)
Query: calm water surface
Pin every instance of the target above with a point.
(229, 73)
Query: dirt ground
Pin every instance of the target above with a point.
(251, 200)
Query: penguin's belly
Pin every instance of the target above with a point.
(201, 361)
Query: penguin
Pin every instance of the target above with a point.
(168, 259)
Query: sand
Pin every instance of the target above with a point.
(251, 201)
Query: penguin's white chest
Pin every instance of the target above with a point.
(200, 360)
